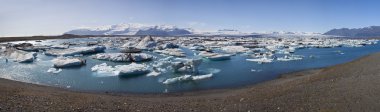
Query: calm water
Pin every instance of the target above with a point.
(230, 73)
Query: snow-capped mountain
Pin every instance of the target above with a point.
(132, 29)
(371, 31)
(289, 33)
(222, 32)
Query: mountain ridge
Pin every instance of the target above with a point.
(371, 31)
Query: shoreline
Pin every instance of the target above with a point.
(349, 86)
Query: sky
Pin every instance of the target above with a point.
(54, 17)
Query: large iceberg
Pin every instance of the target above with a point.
(75, 51)
(22, 56)
(132, 69)
(123, 57)
(63, 62)
(146, 43)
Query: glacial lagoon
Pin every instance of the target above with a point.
(235, 72)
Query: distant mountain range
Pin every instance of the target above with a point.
(372, 31)
(170, 30)
(132, 29)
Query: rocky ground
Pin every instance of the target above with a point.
(353, 86)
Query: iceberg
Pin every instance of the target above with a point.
(200, 77)
(290, 58)
(62, 46)
(234, 49)
(146, 43)
(187, 78)
(130, 50)
(75, 51)
(187, 65)
(132, 69)
(105, 70)
(64, 62)
(215, 56)
(123, 57)
(22, 56)
(170, 46)
(153, 73)
(172, 52)
(54, 70)
(261, 60)
(177, 79)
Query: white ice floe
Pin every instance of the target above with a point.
(104, 70)
(290, 58)
(122, 57)
(63, 62)
(75, 51)
(186, 65)
(177, 79)
(234, 49)
(171, 52)
(256, 70)
(54, 70)
(153, 73)
(261, 60)
(133, 69)
(215, 56)
(22, 56)
(121, 70)
(200, 77)
(147, 43)
(187, 78)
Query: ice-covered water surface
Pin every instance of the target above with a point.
(160, 75)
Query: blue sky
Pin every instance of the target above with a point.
(52, 17)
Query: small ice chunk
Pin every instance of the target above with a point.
(177, 79)
(154, 73)
(54, 70)
(103, 70)
(200, 77)
(187, 78)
